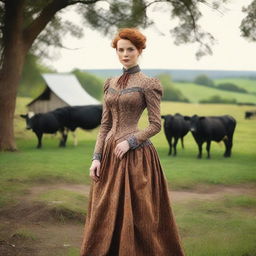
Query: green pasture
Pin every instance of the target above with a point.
(247, 84)
(195, 92)
(224, 227)
(185, 170)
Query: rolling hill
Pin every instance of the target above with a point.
(247, 84)
(195, 93)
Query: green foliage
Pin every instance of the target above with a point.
(32, 83)
(170, 93)
(248, 24)
(187, 13)
(107, 19)
(217, 99)
(204, 80)
(92, 84)
(110, 15)
(231, 87)
(53, 35)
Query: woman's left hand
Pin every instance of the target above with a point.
(121, 149)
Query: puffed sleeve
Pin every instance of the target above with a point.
(153, 93)
(105, 126)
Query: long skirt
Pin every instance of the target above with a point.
(129, 211)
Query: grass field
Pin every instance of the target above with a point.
(213, 200)
(195, 93)
(249, 85)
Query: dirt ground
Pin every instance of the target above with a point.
(53, 233)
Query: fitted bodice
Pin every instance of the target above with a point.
(122, 109)
(126, 107)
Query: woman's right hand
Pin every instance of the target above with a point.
(95, 170)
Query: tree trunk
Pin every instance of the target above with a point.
(9, 81)
(12, 63)
(17, 42)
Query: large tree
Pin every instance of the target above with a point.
(29, 25)
(248, 24)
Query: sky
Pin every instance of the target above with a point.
(231, 52)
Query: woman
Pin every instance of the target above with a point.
(129, 212)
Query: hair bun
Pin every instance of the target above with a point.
(133, 35)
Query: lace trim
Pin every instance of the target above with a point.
(96, 156)
(133, 143)
(125, 90)
(132, 70)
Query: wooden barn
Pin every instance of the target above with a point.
(61, 90)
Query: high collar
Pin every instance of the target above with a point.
(132, 70)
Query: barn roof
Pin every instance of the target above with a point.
(68, 88)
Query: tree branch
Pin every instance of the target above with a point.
(36, 27)
(211, 7)
(192, 18)
(83, 2)
(158, 1)
(195, 28)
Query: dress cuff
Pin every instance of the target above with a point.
(96, 156)
(133, 143)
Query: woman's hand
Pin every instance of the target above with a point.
(95, 170)
(121, 149)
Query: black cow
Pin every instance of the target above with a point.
(216, 128)
(64, 119)
(249, 114)
(44, 123)
(85, 117)
(175, 127)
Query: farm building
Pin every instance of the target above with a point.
(61, 90)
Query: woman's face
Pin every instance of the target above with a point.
(127, 53)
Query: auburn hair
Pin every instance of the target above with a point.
(133, 35)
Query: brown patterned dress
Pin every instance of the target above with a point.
(129, 212)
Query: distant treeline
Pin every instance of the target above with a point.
(206, 81)
(180, 74)
(171, 93)
(217, 99)
(32, 84)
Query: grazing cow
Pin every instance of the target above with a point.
(216, 128)
(64, 119)
(249, 114)
(85, 117)
(44, 123)
(175, 127)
